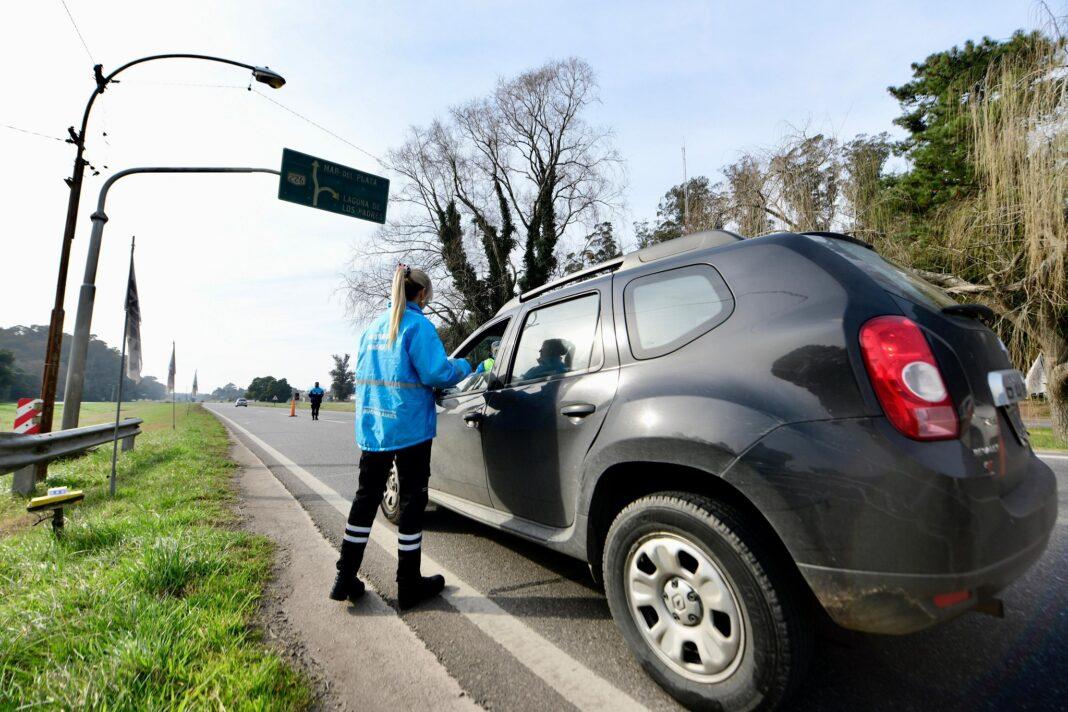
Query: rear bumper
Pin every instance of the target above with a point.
(875, 602)
(879, 528)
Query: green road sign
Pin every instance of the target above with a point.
(311, 181)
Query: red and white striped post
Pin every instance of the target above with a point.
(27, 422)
(28, 416)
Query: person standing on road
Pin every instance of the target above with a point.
(400, 361)
(315, 395)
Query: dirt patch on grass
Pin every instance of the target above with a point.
(16, 524)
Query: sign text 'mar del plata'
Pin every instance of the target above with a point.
(311, 181)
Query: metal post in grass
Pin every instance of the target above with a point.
(122, 372)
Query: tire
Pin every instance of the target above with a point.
(744, 632)
(391, 498)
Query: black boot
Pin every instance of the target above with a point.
(412, 587)
(346, 586)
(413, 591)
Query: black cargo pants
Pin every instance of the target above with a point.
(315, 403)
(413, 473)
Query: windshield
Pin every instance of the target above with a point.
(890, 277)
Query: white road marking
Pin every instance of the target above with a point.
(570, 678)
(1051, 456)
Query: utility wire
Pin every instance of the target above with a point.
(322, 128)
(32, 133)
(139, 82)
(277, 103)
(77, 31)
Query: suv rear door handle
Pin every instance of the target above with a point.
(578, 410)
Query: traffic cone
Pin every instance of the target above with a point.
(292, 407)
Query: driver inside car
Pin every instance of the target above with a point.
(553, 359)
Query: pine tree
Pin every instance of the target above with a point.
(342, 378)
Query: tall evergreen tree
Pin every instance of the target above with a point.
(940, 143)
(342, 378)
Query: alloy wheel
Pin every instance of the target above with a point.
(391, 498)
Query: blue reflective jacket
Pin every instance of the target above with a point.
(394, 384)
(316, 391)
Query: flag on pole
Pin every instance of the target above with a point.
(170, 371)
(133, 327)
(193, 395)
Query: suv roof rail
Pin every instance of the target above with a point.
(609, 266)
(841, 236)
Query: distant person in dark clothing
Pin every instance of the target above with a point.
(315, 395)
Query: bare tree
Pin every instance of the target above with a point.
(552, 166)
(747, 182)
(523, 159)
(864, 195)
(803, 175)
(709, 209)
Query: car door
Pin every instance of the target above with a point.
(539, 424)
(456, 459)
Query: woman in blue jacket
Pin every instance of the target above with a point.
(400, 361)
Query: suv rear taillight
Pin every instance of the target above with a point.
(907, 380)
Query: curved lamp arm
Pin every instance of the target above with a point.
(262, 74)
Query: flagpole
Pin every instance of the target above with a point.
(173, 384)
(122, 375)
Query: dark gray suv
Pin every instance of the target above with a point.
(733, 433)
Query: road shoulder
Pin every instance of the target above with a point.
(362, 656)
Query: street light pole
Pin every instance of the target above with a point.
(72, 396)
(55, 325)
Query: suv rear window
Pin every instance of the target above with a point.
(667, 310)
(890, 277)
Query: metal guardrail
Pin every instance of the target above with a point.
(21, 453)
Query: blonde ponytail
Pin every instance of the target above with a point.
(407, 283)
(400, 303)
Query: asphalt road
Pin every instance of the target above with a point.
(524, 615)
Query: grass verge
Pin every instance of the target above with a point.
(146, 601)
(1044, 439)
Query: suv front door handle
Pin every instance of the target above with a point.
(578, 410)
(472, 418)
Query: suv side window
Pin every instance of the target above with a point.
(667, 310)
(481, 354)
(558, 339)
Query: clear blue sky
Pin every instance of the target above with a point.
(245, 284)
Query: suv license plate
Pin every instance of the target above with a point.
(1007, 387)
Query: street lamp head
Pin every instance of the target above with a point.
(269, 77)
